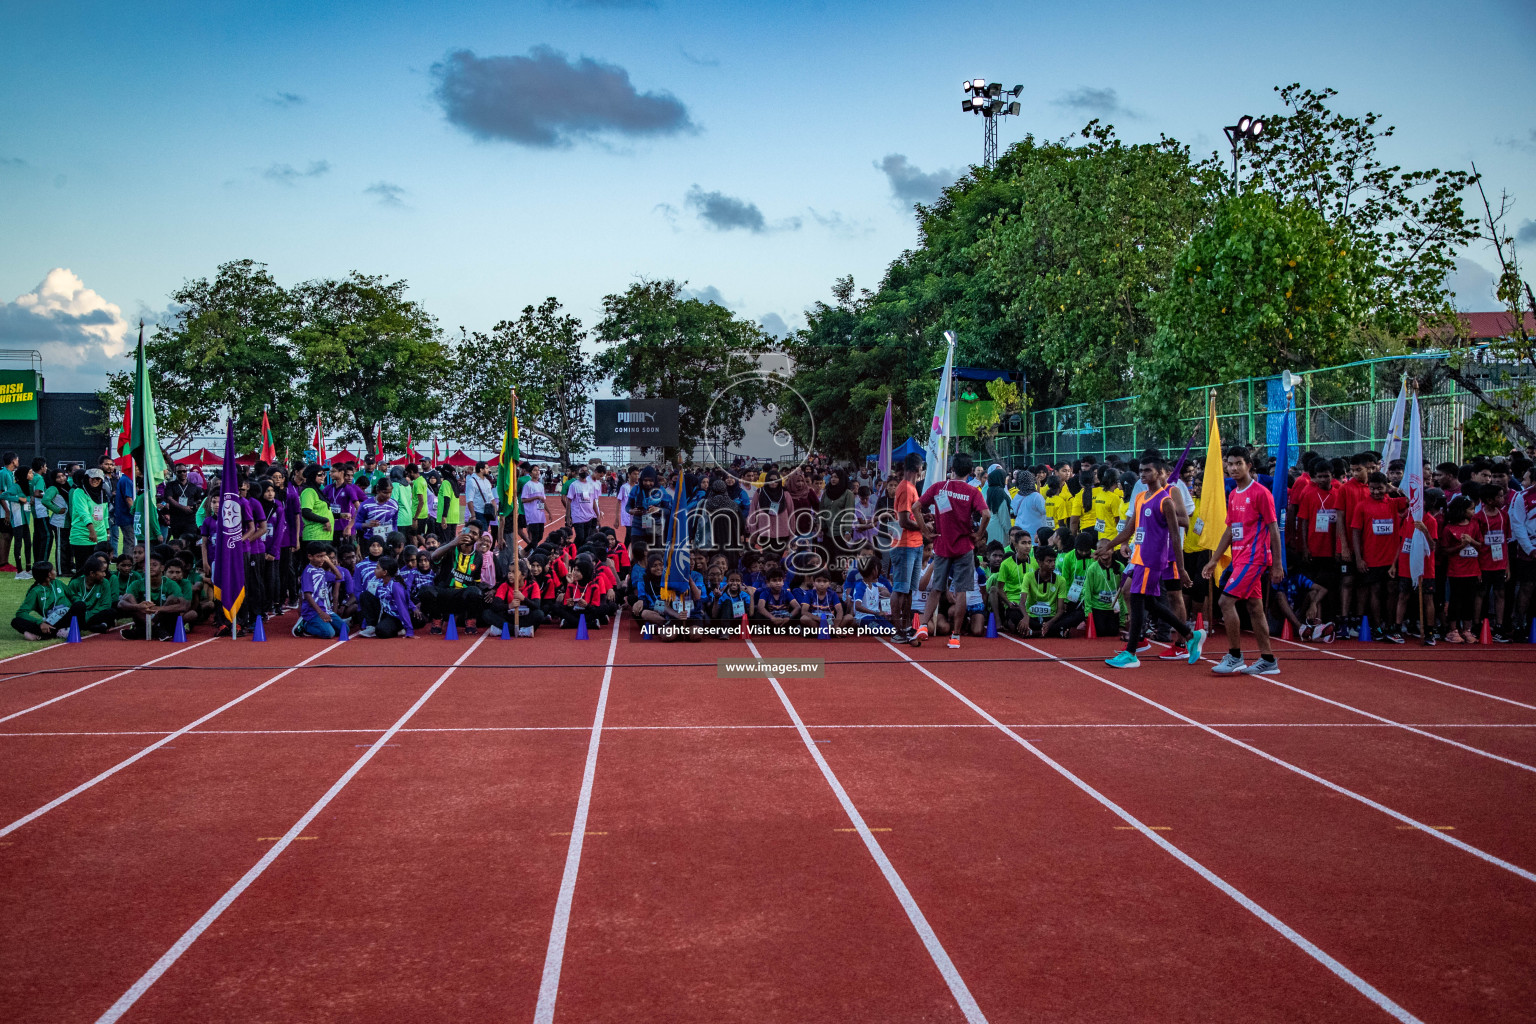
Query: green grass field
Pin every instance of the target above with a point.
(11, 592)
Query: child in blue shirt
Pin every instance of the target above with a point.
(317, 615)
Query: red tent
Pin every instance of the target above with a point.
(200, 458)
(458, 458)
(408, 458)
(244, 460)
(345, 457)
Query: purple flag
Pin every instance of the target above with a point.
(885, 443)
(228, 555)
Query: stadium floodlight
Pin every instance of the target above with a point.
(987, 99)
(1246, 131)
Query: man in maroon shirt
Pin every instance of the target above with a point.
(961, 517)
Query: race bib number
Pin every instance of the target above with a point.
(1468, 552)
(677, 604)
(1495, 539)
(1198, 525)
(1098, 524)
(941, 499)
(884, 604)
(1039, 610)
(1383, 527)
(1141, 534)
(1075, 592)
(1324, 521)
(1237, 532)
(738, 607)
(1106, 597)
(56, 614)
(1049, 522)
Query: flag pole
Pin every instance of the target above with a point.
(1429, 556)
(517, 560)
(149, 621)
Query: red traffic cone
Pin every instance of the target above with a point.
(1199, 620)
(1093, 633)
(1485, 635)
(917, 621)
(746, 630)
(1286, 632)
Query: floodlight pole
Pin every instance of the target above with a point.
(989, 140)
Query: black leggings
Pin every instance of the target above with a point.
(1141, 605)
(42, 540)
(529, 616)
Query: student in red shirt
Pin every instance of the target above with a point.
(1355, 489)
(1462, 540)
(1407, 593)
(1373, 529)
(1319, 521)
(1493, 560)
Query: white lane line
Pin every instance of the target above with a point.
(1356, 982)
(818, 726)
(1403, 671)
(936, 951)
(1288, 766)
(1387, 721)
(87, 686)
(56, 801)
(554, 953)
(169, 957)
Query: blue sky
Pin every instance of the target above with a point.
(144, 144)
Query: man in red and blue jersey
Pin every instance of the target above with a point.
(1253, 536)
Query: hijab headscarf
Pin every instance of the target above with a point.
(837, 483)
(799, 489)
(997, 490)
(1026, 483)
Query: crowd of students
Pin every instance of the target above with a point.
(1116, 548)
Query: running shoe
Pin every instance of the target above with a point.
(366, 631)
(1263, 667)
(922, 632)
(1125, 659)
(1230, 665)
(1453, 637)
(954, 642)
(1146, 645)
(23, 576)
(1396, 636)
(525, 631)
(1175, 652)
(1429, 641)
(1498, 637)
(298, 628)
(1325, 632)
(1196, 644)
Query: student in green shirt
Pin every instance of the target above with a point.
(1098, 595)
(417, 481)
(405, 502)
(1005, 592)
(10, 499)
(450, 507)
(45, 608)
(1043, 589)
(93, 595)
(157, 606)
(314, 510)
(88, 511)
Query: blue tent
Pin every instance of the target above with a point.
(908, 447)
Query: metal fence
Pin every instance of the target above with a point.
(1339, 410)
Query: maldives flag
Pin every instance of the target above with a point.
(318, 442)
(124, 460)
(268, 453)
(434, 453)
(379, 445)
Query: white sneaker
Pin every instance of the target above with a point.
(494, 632)
(23, 575)
(367, 631)
(525, 631)
(1262, 668)
(1230, 665)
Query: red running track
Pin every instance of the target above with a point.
(408, 826)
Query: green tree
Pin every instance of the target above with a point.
(540, 354)
(660, 345)
(371, 357)
(227, 348)
(1267, 285)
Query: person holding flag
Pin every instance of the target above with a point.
(144, 446)
(228, 561)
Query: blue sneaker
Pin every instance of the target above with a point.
(1196, 643)
(1125, 659)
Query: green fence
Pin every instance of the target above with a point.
(1340, 410)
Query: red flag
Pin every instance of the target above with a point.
(379, 444)
(318, 442)
(124, 460)
(268, 451)
(410, 450)
(434, 453)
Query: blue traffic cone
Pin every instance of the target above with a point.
(1365, 629)
(992, 625)
(180, 635)
(1532, 638)
(824, 630)
(581, 627)
(508, 629)
(74, 631)
(341, 631)
(259, 634)
(452, 632)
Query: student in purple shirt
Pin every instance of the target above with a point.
(387, 609)
(272, 544)
(344, 496)
(317, 614)
(372, 551)
(377, 516)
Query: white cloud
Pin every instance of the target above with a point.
(81, 335)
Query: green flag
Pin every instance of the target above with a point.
(506, 471)
(144, 440)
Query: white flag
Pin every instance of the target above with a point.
(1413, 481)
(1394, 448)
(938, 448)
